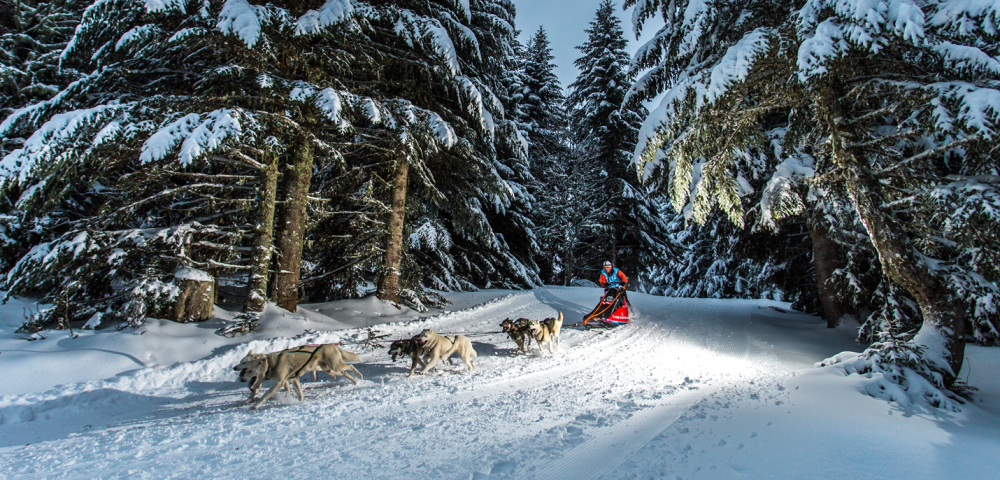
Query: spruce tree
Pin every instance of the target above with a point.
(854, 83)
(546, 123)
(197, 122)
(607, 128)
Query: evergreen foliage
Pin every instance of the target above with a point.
(157, 159)
(606, 128)
(889, 105)
(546, 124)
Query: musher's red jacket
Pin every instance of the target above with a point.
(604, 277)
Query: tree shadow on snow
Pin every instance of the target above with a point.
(572, 312)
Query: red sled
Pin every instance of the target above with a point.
(612, 310)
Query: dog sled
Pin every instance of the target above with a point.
(611, 311)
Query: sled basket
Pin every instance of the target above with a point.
(611, 311)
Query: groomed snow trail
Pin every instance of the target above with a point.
(579, 413)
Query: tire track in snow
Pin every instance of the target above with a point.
(611, 446)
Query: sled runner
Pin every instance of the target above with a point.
(611, 311)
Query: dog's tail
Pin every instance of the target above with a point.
(350, 357)
(560, 321)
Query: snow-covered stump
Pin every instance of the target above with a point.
(196, 298)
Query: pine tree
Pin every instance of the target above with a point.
(607, 129)
(854, 85)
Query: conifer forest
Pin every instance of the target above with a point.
(160, 157)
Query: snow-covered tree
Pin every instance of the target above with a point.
(569, 219)
(32, 35)
(607, 129)
(893, 104)
(547, 126)
(205, 130)
(543, 100)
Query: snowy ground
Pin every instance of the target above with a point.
(692, 389)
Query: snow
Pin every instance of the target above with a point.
(815, 52)
(694, 388)
(198, 136)
(136, 33)
(329, 103)
(189, 273)
(20, 164)
(466, 9)
(241, 19)
(779, 199)
(444, 45)
(158, 145)
(209, 135)
(967, 17)
(332, 12)
(962, 57)
(165, 5)
(735, 64)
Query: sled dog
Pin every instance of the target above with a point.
(410, 347)
(438, 347)
(287, 366)
(542, 334)
(554, 325)
(519, 331)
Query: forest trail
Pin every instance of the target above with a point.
(594, 409)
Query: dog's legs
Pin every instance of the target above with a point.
(416, 359)
(430, 364)
(332, 373)
(314, 375)
(360, 376)
(253, 393)
(468, 362)
(298, 387)
(270, 393)
(349, 377)
(550, 346)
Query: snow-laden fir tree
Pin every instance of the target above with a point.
(891, 104)
(542, 100)
(194, 142)
(32, 35)
(568, 216)
(547, 126)
(607, 129)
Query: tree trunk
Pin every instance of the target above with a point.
(264, 232)
(388, 288)
(194, 303)
(292, 227)
(943, 329)
(570, 265)
(826, 260)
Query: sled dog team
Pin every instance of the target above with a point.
(426, 349)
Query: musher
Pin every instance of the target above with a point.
(612, 277)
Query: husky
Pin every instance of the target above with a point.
(438, 347)
(288, 365)
(543, 332)
(411, 347)
(554, 326)
(518, 331)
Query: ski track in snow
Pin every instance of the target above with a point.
(579, 413)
